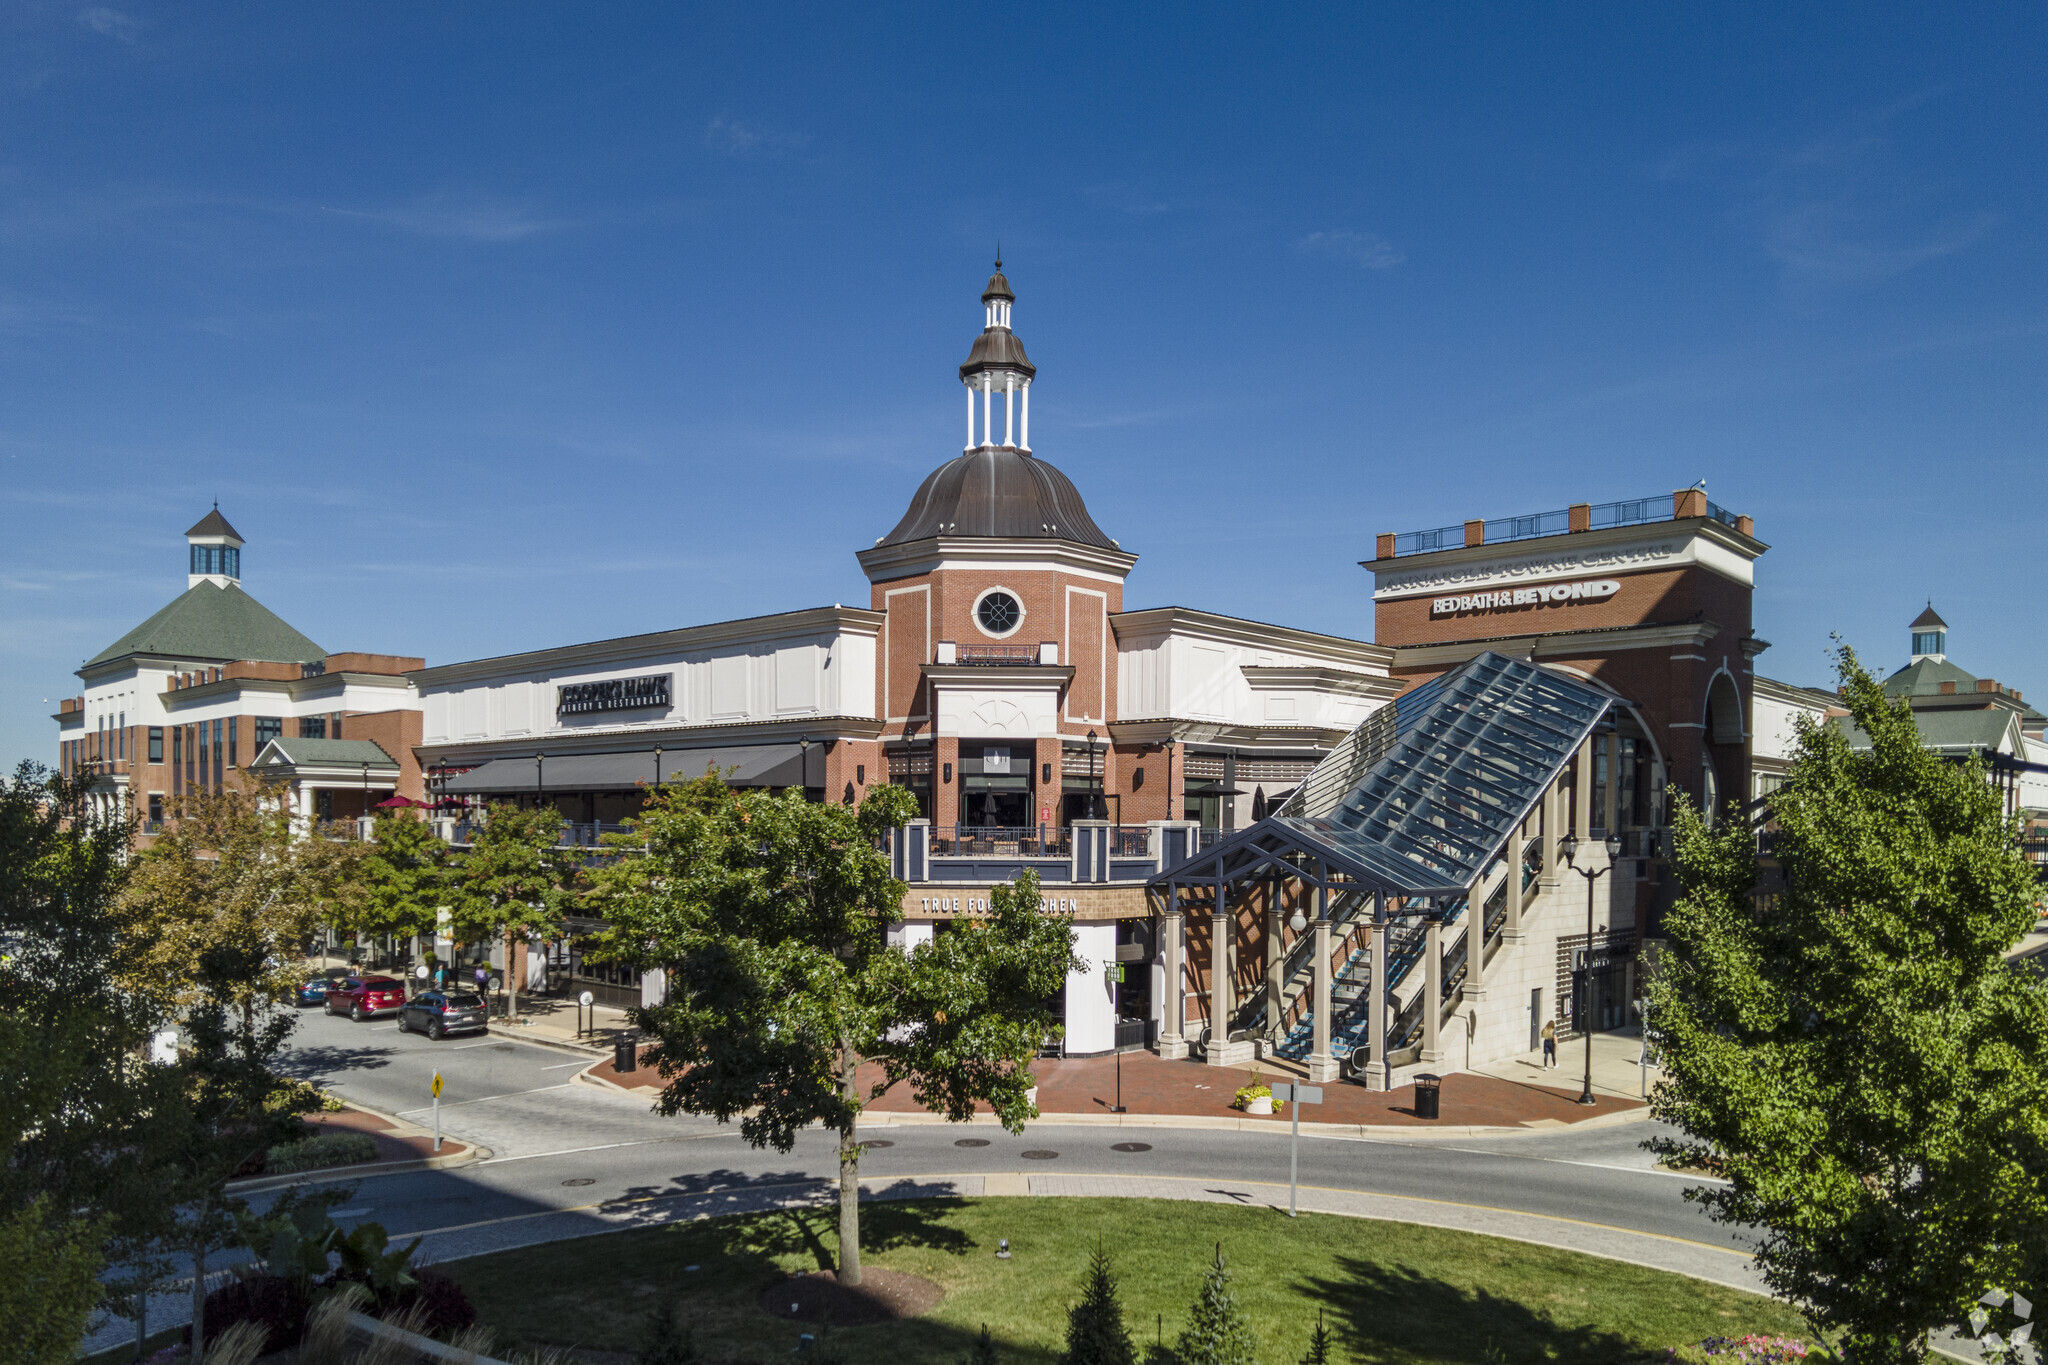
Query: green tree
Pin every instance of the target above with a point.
(513, 883)
(218, 908)
(407, 876)
(49, 1282)
(1319, 1344)
(1095, 1326)
(1218, 1332)
(1853, 1054)
(770, 915)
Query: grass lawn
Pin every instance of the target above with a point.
(1391, 1292)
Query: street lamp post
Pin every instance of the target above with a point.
(1569, 847)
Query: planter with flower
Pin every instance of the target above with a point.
(1256, 1097)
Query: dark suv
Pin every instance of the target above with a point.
(360, 997)
(440, 1013)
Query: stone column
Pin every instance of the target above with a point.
(1173, 1042)
(1275, 960)
(1582, 792)
(1219, 980)
(1553, 817)
(1321, 1067)
(1608, 814)
(1432, 990)
(1376, 1005)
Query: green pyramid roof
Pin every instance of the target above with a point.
(212, 622)
(1925, 678)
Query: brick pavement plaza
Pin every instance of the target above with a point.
(1088, 1086)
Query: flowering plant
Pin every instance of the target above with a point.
(1754, 1349)
(1256, 1089)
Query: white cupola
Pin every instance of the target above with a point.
(216, 552)
(998, 365)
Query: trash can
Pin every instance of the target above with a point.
(625, 1055)
(1428, 1090)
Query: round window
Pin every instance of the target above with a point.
(998, 613)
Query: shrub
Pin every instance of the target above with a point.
(314, 1153)
(271, 1302)
(665, 1340)
(443, 1308)
(295, 1096)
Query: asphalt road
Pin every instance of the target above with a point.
(543, 1130)
(569, 1159)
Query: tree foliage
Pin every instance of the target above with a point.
(513, 883)
(771, 916)
(1853, 1054)
(407, 876)
(1096, 1334)
(49, 1283)
(1218, 1332)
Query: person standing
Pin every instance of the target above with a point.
(1550, 1044)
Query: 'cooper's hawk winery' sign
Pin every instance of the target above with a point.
(612, 694)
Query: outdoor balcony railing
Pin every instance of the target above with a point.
(1502, 530)
(1016, 841)
(996, 656)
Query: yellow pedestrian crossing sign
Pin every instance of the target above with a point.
(437, 1085)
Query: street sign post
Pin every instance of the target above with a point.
(1114, 971)
(437, 1111)
(1299, 1095)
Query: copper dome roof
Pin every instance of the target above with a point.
(998, 492)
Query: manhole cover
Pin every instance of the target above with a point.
(586, 1180)
(971, 1142)
(878, 1142)
(1130, 1146)
(1041, 1156)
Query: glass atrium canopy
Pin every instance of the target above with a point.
(1425, 795)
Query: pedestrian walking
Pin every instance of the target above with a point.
(483, 977)
(1550, 1044)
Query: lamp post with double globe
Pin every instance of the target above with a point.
(1582, 986)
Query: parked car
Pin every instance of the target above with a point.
(440, 1013)
(361, 997)
(313, 990)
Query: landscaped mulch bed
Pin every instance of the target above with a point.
(882, 1296)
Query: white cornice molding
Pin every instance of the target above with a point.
(1792, 694)
(1135, 626)
(1313, 678)
(297, 689)
(632, 648)
(1700, 541)
(1016, 677)
(1567, 644)
(912, 558)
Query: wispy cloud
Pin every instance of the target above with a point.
(463, 217)
(111, 23)
(1838, 207)
(730, 137)
(1362, 249)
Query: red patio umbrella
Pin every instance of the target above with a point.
(400, 802)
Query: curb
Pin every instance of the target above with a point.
(553, 1044)
(258, 1184)
(1216, 1122)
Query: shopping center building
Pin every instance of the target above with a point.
(215, 684)
(1370, 858)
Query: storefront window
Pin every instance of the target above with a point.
(995, 785)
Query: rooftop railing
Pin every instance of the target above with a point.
(1503, 530)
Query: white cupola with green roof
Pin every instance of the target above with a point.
(216, 551)
(1930, 637)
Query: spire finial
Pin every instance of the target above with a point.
(999, 253)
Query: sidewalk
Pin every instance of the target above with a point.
(548, 1020)
(1615, 1068)
(1088, 1086)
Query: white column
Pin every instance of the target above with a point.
(970, 419)
(1024, 436)
(1321, 1066)
(987, 431)
(1010, 411)
(1432, 990)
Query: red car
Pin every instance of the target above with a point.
(360, 997)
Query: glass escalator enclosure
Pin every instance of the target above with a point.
(1426, 793)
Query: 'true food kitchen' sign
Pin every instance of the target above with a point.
(613, 694)
(1591, 591)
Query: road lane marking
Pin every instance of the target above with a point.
(484, 1099)
(559, 1065)
(467, 1046)
(571, 1151)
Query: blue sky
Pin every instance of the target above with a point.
(495, 327)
